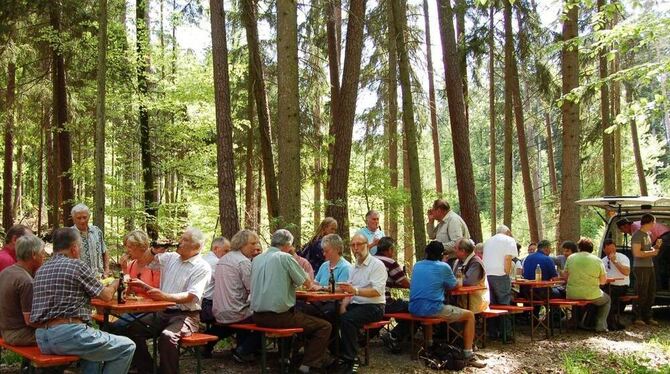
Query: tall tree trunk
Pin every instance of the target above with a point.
(230, 222)
(460, 7)
(465, 179)
(7, 177)
(99, 216)
(262, 109)
(318, 167)
(44, 124)
(508, 179)
(334, 37)
(569, 220)
(609, 181)
(143, 71)
(550, 155)
(62, 138)
(431, 102)
(615, 102)
(337, 194)
(492, 122)
(408, 243)
(250, 213)
(392, 124)
(410, 130)
(639, 167)
(288, 116)
(18, 183)
(520, 125)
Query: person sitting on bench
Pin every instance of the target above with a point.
(16, 291)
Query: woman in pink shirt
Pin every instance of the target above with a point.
(139, 251)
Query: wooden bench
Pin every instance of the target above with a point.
(625, 299)
(367, 327)
(269, 332)
(485, 315)
(194, 342)
(512, 309)
(426, 322)
(33, 355)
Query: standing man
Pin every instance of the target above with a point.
(220, 247)
(16, 292)
(232, 287)
(367, 283)
(62, 293)
(274, 277)
(586, 274)
(184, 276)
(643, 268)
(430, 279)
(93, 250)
(499, 250)
(662, 261)
(8, 253)
(372, 232)
(617, 266)
(449, 229)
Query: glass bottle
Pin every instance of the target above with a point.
(121, 290)
(331, 280)
(459, 277)
(538, 273)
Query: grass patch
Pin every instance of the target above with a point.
(661, 340)
(588, 361)
(9, 357)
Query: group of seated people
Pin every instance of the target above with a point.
(48, 303)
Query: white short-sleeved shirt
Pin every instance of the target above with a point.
(613, 271)
(495, 249)
(179, 276)
(370, 274)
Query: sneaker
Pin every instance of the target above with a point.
(242, 358)
(349, 367)
(652, 322)
(473, 362)
(640, 322)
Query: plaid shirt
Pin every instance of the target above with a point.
(63, 288)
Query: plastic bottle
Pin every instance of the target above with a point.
(538, 273)
(121, 291)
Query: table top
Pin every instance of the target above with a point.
(320, 295)
(464, 290)
(537, 284)
(610, 280)
(133, 306)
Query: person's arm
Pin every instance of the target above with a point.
(508, 264)
(473, 276)
(107, 293)
(623, 269)
(639, 253)
(378, 277)
(430, 229)
(603, 274)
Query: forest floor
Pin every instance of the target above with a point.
(634, 350)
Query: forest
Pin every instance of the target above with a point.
(161, 114)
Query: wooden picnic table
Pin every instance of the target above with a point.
(326, 296)
(535, 321)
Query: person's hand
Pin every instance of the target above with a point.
(373, 243)
(135, 282)
(156, 294)
(659, 243)
(431, 218)
(123, 261)
(347, 288)
(612, 257)
(107, 273)
(316, 287)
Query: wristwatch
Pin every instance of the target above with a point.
(355, 291)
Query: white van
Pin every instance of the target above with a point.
(613, 209)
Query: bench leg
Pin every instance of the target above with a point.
(413, 352)
(198, 358)
(263, 353)
(367, 347)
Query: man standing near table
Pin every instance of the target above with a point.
(617, 266)
(644, 250)
(16, 292)
(499, 250)
(449, 229)
(372, 232)
(274, 277)
(8, 253)
(367, 282)
(662, 260)
(184, 276)
(585, 275)
(93, 250)
(62, 293)
(220, 247)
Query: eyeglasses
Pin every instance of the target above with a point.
(357, 244)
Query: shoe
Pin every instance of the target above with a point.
(652, 322)
(391, 343)
(349, 367)
(640, 322)
(473, 362)
(603, 331)
(242, 358)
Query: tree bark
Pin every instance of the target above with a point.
(288, 117)
(230, 223)
(62, 137)
(18, 183)
(392, 124)
(408, 244)
(409, 126)
(639, 167)
(99, 216)
(550, 155)
(337, 204)
(262, 109)
(569, 220)
(508, 177)
(44, 125)
(609, 179)
(250, 212)
(460, 7)
(8, 169)
(615, 102)
(510, 60)
(492, 122)
(431, 102)
(334, 37)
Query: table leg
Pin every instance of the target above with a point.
(532, 314)
(263, 353)
(154, 341)
(337, 327)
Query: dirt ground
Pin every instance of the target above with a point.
(523, 356)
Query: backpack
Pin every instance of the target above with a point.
(443, 356)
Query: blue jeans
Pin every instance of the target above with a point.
(96, 348)
(500, 288)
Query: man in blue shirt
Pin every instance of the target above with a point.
(540, 257)
(372, 231)
(430, 278)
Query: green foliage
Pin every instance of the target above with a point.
(587, 361)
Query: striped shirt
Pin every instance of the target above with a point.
(179, 276)
(63, 288)
(395, 274)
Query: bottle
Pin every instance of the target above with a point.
(459, 277)
(538, 273)
(121, 290)
(331, 281)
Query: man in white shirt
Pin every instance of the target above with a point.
(449, 229)
(499, 250)
(220, 246)
(184, 276)
(617, 265)
(367, 283)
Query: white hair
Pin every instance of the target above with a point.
(502, 229)
(79, 208)
(281, 238)
(28, 246)
(196, 236)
